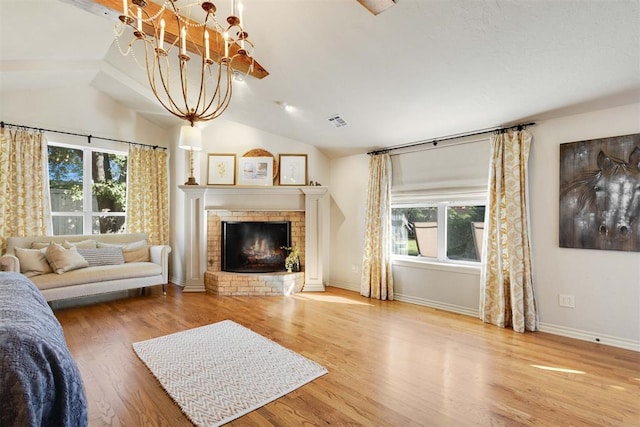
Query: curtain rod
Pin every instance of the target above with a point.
(89, 137)
(435, 141)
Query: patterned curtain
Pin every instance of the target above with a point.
(507, 282)
(25, 209)
(147, 194)
(377, 280)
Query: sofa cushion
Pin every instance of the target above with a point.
(32, 262)
(84, 244)
(62, 260)
(133, 252)
(102, 256)
(103, 273)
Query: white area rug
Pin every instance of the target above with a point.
(219, 372)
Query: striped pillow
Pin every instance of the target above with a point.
(102, 256)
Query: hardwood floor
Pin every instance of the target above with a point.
(390, 364)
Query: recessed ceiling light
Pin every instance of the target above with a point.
(286, 107)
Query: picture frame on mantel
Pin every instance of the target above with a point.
(221, 169)
(255, 171)
(293, 169)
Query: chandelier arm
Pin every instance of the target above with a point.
(171, 105)
(222, 103)
(216, 94)
(202, 93)
(203, 87)
(183, 84)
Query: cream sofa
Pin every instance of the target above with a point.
(145, 265)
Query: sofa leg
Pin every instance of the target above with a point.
(164, 289)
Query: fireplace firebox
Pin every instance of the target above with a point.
(255, 246)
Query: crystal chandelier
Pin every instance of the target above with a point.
(169, 33)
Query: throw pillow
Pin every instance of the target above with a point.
(40, 245)
(133, 252)
(62, 260)
(102, 256)
(32, 262)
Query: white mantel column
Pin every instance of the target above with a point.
(195, 238)
(316, 238)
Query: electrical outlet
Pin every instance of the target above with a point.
(568, 301)
(355, 268)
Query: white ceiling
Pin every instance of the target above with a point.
(420, 70)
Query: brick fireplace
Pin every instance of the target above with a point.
(205, 208)
(225, 283)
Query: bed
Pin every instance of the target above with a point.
(40, 383)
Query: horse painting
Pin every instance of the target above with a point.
(600, 194)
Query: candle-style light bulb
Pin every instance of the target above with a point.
(139, 19)
(240, 8)
(226, 44)
(206, 44)
(124, 7)
(162, 24)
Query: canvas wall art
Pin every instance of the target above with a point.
(600, 194)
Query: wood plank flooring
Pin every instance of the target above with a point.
(389, 363)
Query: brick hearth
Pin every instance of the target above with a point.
(261, 284)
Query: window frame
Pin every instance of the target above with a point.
(87, 213)
(442, 205)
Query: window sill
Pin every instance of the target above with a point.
(428, 264)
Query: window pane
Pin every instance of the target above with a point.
(65, 180)
(415, 231)
(464, 232)
(109, 173)
(107, 224)
(65, 225)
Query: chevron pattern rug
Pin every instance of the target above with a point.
(219, 372)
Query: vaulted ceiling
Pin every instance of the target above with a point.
(421, 69)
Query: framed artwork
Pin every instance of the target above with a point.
(599, 200)
(255, 171)
(293, 169)
(221, 169)
(260, 152)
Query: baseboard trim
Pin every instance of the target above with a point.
(344, 285)
(177, 281)
(590, 336)
(542, 327)
(438, 305)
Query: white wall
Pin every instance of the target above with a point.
(224, 136)
(606, 284)
(348, 191)
(79, 109)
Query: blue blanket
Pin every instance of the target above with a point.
(40, 384)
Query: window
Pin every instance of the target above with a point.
(444, 231)
(88, 190)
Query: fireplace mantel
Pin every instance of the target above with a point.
(200, 199)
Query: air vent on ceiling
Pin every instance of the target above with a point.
(337, 121)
